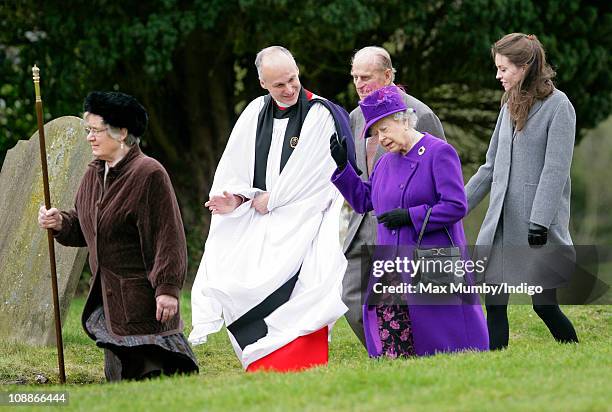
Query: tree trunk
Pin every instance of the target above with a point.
(189, 137)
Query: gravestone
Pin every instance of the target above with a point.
(26, 302)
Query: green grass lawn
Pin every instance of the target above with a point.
(534, 374)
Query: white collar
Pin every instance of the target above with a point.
(283, 105)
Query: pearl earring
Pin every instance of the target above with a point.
(121, 145)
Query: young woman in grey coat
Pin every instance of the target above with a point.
(527, 172)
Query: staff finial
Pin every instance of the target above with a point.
(36, 77)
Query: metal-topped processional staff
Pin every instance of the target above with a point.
(51, 241)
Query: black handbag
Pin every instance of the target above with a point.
(437, 265)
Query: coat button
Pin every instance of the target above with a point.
(401, 186)
(393, 232)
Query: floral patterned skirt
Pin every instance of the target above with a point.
(395, 330)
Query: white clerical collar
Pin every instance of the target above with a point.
(282, 105)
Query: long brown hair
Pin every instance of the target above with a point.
(525, 51)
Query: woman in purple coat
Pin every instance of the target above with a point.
(420, 172)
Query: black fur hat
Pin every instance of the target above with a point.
(118, 110)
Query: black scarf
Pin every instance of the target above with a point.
(265, 123)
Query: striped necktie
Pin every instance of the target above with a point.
(371, 148)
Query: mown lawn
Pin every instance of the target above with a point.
(534, 374)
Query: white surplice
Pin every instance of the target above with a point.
(247, 256)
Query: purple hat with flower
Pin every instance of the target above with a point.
(381, 103)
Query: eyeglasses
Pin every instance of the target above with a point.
(93, 131)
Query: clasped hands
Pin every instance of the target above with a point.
(228, 202)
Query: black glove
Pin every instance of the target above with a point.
(395, 218)
(537, 235)
(338, 151)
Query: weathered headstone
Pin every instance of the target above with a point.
(26, 303)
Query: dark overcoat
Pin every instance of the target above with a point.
(133, 231)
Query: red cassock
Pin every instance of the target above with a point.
(302, 353)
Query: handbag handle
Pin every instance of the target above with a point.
(425, 225)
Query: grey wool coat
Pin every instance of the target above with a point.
(362, 227)
(527, 173)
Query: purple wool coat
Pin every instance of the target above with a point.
(428, 176)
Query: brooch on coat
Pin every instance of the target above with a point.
(421, 150)
(294, 141)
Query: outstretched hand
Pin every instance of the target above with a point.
(220, 205)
